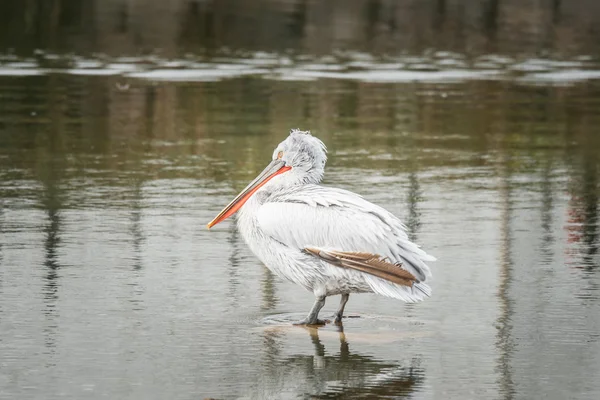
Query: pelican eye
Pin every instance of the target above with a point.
(279, 155)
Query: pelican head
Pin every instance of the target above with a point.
(306, 155)
(298, 160)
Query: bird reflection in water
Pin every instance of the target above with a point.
(341, 375)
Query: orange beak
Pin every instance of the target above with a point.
(276, 167)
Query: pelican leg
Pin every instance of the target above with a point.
(312, 317)
(340, 312)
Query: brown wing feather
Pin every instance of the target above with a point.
(369, 263)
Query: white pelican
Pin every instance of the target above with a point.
(330, 241)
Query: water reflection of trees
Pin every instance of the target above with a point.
(504, 338)
(534, 272)
(125, 26)
(406, 127)
(2, 267)
(583, 222)
(50, 171)
(333, 373)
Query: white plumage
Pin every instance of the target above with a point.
(284, 213)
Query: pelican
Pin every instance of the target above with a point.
(329, 241)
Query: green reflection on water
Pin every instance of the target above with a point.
(75, 143)
(58, 128)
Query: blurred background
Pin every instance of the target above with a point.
(379, 27)
(126, 125)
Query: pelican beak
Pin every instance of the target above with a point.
(275, 168)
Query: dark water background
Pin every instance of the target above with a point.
(125, 126)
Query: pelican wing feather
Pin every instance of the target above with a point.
(371, 264)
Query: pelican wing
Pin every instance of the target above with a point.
(335, 219)
(371, 264)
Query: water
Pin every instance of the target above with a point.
(111, 165)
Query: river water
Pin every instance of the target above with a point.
(110, 167)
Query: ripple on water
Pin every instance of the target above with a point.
(372, 329)
(362, 67)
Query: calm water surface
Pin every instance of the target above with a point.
(111, 286)
(110, 167)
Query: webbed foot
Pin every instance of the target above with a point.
(313, 316)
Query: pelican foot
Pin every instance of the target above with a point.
(307, 321)
(313, 316)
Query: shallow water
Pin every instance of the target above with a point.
(111, 165)
(111, 285)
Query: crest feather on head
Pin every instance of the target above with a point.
(296, 131)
